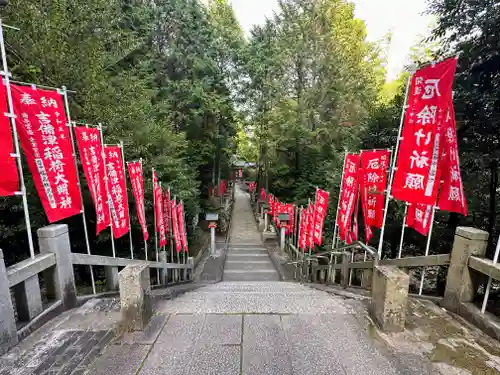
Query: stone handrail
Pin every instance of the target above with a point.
(98, 260)
(20, 282)
(485, 266)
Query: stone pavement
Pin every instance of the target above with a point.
(247, 259)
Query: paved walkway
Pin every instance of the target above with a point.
(247, 258)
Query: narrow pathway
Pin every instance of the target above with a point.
(247, 258)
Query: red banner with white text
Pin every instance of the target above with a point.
(303, 229)
(373, 183)
(452, 196)
(419, 217)
(89, 145)
(418, 172)
(9, 178)
(159, 218)
(46, 141)
(166, 213)
(137, 182)
(262, 194)
(175, 227)
(348, 196)
(117, 189)
(310, 225)
(320, 210)
(182, 226)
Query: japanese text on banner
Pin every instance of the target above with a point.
(159, 217)
(9, 178)
(175, 227)
(166, 212)
(182, 226)
(348, 196)
(373, 182)
(303, 229)
(418, 172)
(452, 196)
(320, 210)
(137, 182)
(117, 186)
(419, 217)
(90, 149)
(46, 142)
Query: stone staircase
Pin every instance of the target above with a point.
(247, 259)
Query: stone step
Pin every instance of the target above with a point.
(249, 265)
(246, 257)
(269, 275)
(247, 245)
(247, 251)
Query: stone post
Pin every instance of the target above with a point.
(266, 223)
(282, 238)
(389, 298)
(8, 330)
(462, 282)
(28, 299)
(135, 297)
(212, 240)
(344, 272)
(60, 279)
(111, 274)
(366, 278)
(163, 271)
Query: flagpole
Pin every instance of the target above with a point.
(155, 210)
(403, 230)
(110, 202)
(171, 236)
(185, 252)
(334, 245)
(178, 255)
(427, 247)
(128, 206)
(84, 220)
(144, 213)
(157, 246)
(393, 168)
(17, 155)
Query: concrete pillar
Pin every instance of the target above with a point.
(191, 270)
(163, 271)
(366, 278)
(212, 241)
(8, 330)
(112, 280)
(60, 279)
(135, 297)
(28, 299)
(462, 282)
(266, 222)
(389, 298)
(282, 238)
(344, 272)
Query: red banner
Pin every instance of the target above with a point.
(159, 218)
(251, 186)
(374, 165)
(175, 227)
(303, 229)
(417, 176)
(9, 178)
(222, 187)
(117, 190)
(137, 182)
(419, 217)
(182, 226)
(262, 194)
(166, 212)
(320, 209)
(348, 196)
(310, 225)
(46, 142)
(89, 145)
(452, 196)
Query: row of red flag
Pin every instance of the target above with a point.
(46, 140)
(308, 221)
(427, 173)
